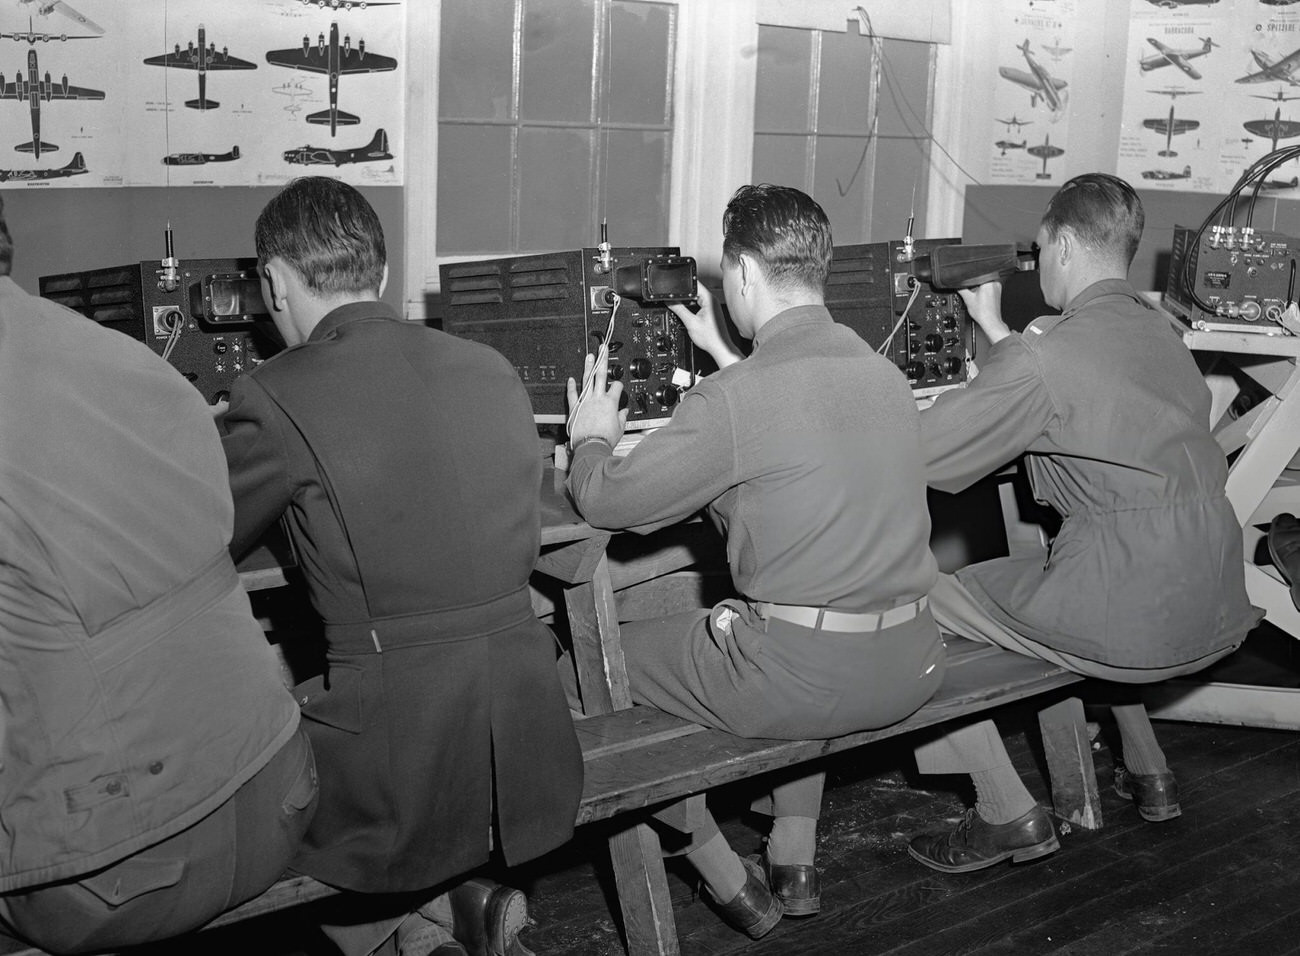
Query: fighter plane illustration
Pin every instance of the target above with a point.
(1056, 51)
(33, 37)
(336, 60)
(1170, 127)
(201, 58)
(46, 7)
(1276, 128)
(1045, 151)
(1040, 84)
(74, 168)
(1015, 124)
(33, 90)
(1006, 144)
(375, 151)
(1271, 70)
(1166, 174)
(198, 159)
(1164, 56)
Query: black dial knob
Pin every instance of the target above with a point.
(952, 365)
(667, 395)
(640, 368)
(914, 370)
(615, 372)
(933, 342)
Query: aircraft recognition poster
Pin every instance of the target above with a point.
(1209, 90)
(189, 92)
(1032, 112)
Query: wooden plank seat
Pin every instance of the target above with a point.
(641, 762)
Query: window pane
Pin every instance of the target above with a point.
(841, 186)
(473, 188)
(781, 160)
(476, 59)
(900, 165)
(638, 46)
(784, 79)
(635, 201)
(555, 75)
(905, 88)
(844, 103)
(554, 189)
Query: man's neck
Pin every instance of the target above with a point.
(785, 303)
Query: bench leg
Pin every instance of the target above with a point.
(1069, 764)
(643, 892)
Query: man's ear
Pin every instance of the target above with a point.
(276, 275)
(1067, 243)
(748, 272)
(383, 283)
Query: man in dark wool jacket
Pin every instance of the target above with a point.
(406, 463)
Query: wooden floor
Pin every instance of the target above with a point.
(1223, 878)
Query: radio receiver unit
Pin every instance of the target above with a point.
(546, 312)
(207, 325)
(1232, 279)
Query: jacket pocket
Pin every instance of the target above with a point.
(134, 877)
(333, 699)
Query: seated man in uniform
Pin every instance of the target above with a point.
(806, 456)
(1144, 581)
(153, 769)
(406, 461)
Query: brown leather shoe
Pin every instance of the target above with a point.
(754, 910)
(975, 844)
(487, 918)
(1154, 794)
(796, 885)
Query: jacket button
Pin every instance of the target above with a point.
(113, 787)
(302, 702)
(156, 767)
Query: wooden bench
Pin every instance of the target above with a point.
(641, 763)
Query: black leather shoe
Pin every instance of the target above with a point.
(487, 918)
(754, 910)
(1154, 794)
(796, 885)
(975, 844)
(1284, 548)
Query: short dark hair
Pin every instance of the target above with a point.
(1102, 210)
(327, 232)
(6, 243)
(784, 229)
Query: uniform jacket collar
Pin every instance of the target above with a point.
(352, 312)
(799, 315)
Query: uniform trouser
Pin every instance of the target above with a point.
(978, 747)
(231, 855)
(730, 669)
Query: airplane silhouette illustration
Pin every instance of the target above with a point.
(201, 59)
(374, 151)
(1166, 56)
(33, 91)
(199, 159)
(1040, 84)
(335, 60)
(1170, 126)
(74, 168)
(1276, 128)
(1045, 151)
(1271, 70)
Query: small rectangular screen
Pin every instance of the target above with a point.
(669, 279)
(233, 298)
